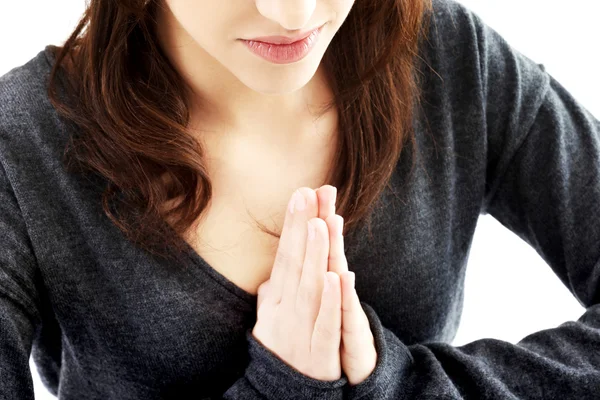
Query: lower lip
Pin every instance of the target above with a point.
(284, 53)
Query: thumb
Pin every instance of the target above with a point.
(357, 339)
(352, 322)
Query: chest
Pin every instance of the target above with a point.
(252, 183)
(160, 329)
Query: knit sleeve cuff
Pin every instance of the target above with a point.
(275, 379)
(393, 362)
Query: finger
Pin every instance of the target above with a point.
(337, 257)
(326, 338)
(355, 325)
(292, 247)
(327, 195)
(308, 298)
(278, 270)
(358, 353)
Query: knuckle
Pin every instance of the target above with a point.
(319, 224)
(350, 330)
(281, 258)
(353, 359)
(327, 333)
(306, 297)
(295, 264)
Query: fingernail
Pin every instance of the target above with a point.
(299, 201)
(326, 284)
(311, 231)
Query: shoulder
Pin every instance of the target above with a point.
(463, 49)
(31, 132)
(23, 89)
(25, 108)
(453, 16)
(453, 27)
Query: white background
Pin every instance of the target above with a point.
(510, 290)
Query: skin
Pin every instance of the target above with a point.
(234, 88)
(358, 354)
(237, 92)
(319, 332)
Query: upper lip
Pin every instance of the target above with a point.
(284, 39)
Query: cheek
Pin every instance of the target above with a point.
(211, 22)
(340, 9)
(199, 24)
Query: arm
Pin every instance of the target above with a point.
(559, 363)
(19, 312)
(543, 183)
(266, 376)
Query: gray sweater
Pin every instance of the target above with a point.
(105, 320)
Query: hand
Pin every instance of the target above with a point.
(299, 317)
(358, 354)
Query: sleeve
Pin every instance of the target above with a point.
(268, 377)
(19, 306)
(543, 183)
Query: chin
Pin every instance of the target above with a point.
(267, 78)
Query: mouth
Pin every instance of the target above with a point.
(284, 53)
(280, 40)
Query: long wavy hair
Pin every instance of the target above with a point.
(132, 110)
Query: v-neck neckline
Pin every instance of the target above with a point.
(221, 279)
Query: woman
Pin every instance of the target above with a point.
(171, 203)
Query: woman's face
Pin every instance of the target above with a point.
(209, 32)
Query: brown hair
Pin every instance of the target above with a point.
(131, 109)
